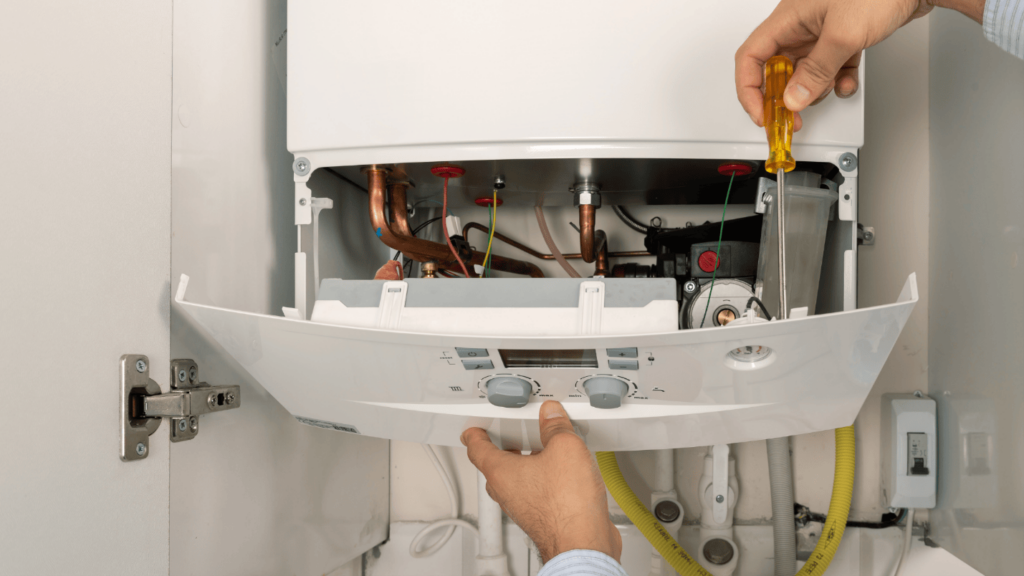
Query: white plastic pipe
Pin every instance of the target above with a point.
(664, 471)
(490, 558)
(780, 477)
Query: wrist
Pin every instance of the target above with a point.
(973, 9)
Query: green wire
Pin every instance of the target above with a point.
(718, 251)
(490, 224)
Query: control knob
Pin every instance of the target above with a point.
(605, 392)
(508, 391)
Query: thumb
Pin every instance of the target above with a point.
(814, 74)
(553, 421)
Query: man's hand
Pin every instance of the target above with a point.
(825, 39)
(556, 495)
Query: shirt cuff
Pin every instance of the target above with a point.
(1003, 23)
(582, 563)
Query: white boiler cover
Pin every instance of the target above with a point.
(412, 81)
(689, 388)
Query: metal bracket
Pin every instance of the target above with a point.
(143, 405)
(720, 482)
(865, 235)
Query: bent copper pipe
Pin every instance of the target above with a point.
(587, 216)
(601, 266)
(475, 226)
(424, 250)
(399, 214)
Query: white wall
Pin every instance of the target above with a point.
(85, 254)
(976, 332)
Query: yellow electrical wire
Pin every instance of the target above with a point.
(494, 224)
(685, 565)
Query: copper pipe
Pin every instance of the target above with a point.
(399, 214)
(601, 266)
(424, 250)
(475, 226)
(587, 216)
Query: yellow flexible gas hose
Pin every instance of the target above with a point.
(681, 562)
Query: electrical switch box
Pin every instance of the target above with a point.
(909, 451)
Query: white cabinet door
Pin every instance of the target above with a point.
(85, 183)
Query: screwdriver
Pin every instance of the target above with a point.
(778, 125)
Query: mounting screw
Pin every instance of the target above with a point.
(140, 365)
(766, 198)
(690, 286)
(499, 182)
(848, 162)
(302, 201)
(182, 425)
(301, 166)
(689, 224)
(212, 400)
(192, 374)
(229, 398)
(656, 222)
(193, 423)
(719, 498)
(182, 375)
(140, 448)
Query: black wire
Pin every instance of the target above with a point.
(417, 229)
(760, 304)
(888, 520)
(342, 176)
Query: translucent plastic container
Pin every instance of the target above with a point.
(808, 208)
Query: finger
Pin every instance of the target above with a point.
(487, 457)
(815, 73)
(825, 93)
(553, 421)
(848, 79)
(750, 59)
(798, 122)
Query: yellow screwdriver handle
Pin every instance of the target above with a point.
(778, 120)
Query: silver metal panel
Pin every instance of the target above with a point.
(976, 313)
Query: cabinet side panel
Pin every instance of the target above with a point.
(256, 492)
(85, 257)
(976, 313)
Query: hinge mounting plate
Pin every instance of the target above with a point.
(143, 406)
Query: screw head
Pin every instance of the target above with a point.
(719, 498)
(766, 198)
(690, 286)
(182, 375)
(212, 400)
(193, 423)
(301, 166)
(689, 224)
(182, 425)
(140, 365)
(847, 162)
(302, 201)
(656, 222)
(192, 374)
(229, 398)
(140, 449)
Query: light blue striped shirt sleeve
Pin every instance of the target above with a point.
(1003, 23)
(582, 563)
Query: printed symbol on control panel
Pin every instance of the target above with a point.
(471, 354)
(656, 390)
(456, 388)
(447, 356)
(650, 357)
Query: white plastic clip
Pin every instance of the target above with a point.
(591, 305)
(392, 301)
(720, 482)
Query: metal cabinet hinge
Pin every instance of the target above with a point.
(143, 406)
(865, 235)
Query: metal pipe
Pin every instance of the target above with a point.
(601, 261)
(399, 214)
(783, 304)
(513, 243)
(425, 250)
(588, 214)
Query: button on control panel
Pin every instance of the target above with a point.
(622, 352)
(616, 364)
(473, 352)
(478, 364)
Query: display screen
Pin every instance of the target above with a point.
(549, 358)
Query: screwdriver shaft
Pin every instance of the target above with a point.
(780, 180)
